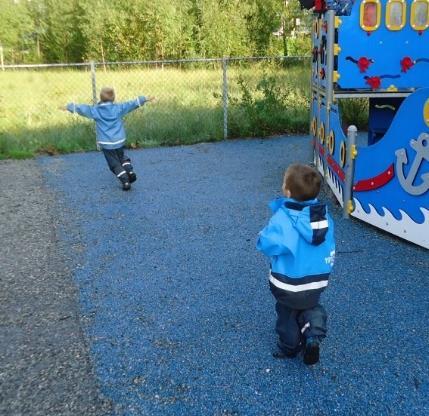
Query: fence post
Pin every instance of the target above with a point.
(94, 83)
(225, 97)
(351, 154)
(1, 58)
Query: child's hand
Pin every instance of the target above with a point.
(150, 98)
(62, 108)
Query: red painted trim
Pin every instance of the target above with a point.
(375, 182)
(336, 168)
(319, 147)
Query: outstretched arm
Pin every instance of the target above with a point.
(132, 105)
(82, 109)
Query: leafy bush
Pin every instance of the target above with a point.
(299, 46)
(355, 111)
(268, 109)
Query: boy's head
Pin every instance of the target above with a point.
(107, 94)
(301, 182)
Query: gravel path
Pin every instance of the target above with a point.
(45, 367)
(173, 296)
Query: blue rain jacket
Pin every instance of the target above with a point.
(299, 239)
(109, 125)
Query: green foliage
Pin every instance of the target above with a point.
(299, 46)
(16, 29)
(263, 18)
(355, 111)
(291, 12)
(119, 30)
(61, 40)
(269, 108)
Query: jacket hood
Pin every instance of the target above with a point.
(309, 218)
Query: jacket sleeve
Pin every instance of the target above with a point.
(82, 109)
(272, 241)
(129, 106)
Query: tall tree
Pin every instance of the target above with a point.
(62, 40)
(16, 30)
(263, 18)
(222, 28)
(290, 13)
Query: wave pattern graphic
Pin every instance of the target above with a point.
(405, 227)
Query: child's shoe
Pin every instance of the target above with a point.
(311, 351)
(125, 180)
(126, 186)
(281, 353)
(132, 176)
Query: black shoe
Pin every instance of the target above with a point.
(132, 177)
(126, 186)
(281, 355)
(311, 353)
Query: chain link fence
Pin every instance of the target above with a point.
(197, 100)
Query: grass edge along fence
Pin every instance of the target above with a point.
(199, 100)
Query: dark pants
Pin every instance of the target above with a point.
(119, 163)
(294, 326)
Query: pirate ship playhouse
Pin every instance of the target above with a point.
(379, 50)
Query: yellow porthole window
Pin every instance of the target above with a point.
(426, 113)
(370, 15)
(420, 14)
(322, 133)
(314, 127)
(343, 154)
(331, 142)
(396, 14)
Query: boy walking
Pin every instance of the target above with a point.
(299, 239)
(110, 131)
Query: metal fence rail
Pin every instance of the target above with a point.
(196, 98)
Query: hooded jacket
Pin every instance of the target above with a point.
(299, 239)
(109, 125)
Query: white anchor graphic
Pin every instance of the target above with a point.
(421, 146)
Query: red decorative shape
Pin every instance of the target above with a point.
(406, 64)
(363, 63)
(336, 168)
(320, 148)
(374, 82)
(375, 182)
(319, 6)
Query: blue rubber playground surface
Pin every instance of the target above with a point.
(175, 302)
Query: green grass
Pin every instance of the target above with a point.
(188, 108)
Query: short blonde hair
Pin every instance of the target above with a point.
(302, 181)
(107, 94)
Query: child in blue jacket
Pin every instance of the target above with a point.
(299, 239)
(110, 131)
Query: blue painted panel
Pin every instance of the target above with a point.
(324, 57)
(336, 127)
(407, 125)
(386, 48)
(381, 113)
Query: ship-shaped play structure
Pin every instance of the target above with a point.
(375, 49)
